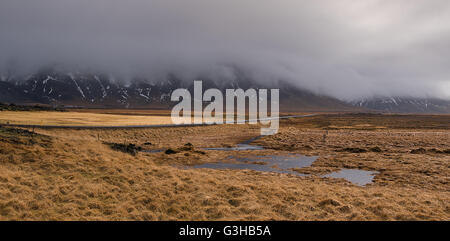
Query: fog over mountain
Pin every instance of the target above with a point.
(348, 49)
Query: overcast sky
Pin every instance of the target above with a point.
(345, 48)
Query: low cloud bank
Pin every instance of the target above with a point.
(348, 49)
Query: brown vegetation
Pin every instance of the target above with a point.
(60, 174)
(50, 118)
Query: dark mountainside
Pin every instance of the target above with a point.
(405, 105)
(102, 91)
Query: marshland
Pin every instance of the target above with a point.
(130, 174)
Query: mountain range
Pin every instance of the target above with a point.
(105, 91)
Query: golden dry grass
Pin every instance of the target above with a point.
(71, 175)
(79, 119)
(113, 117)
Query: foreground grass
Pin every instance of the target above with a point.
(72, 175)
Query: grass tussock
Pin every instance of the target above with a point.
(126, 148)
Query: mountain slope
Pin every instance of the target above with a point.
(91, 90)
(405, 105)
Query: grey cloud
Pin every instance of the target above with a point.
(347, 48)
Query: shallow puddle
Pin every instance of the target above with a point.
(284, 164)
(279, 164)
(238, 147)
(356, 176)
(244, 146)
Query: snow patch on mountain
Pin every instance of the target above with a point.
(76, 84)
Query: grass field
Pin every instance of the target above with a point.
(89, 117)
(80, 118)
(61, 174)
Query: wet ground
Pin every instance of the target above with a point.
(356, 176)
(285, 164)
(244, 146)
(281, 164)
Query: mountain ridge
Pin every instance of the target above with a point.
(75, 89)
(103, 91)
(399, 104)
